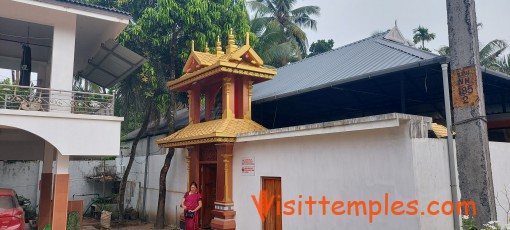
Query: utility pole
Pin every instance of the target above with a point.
(473, 158)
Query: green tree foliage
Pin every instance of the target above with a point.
(321, 46)
(422, 34)
(278, 25)
(166, 30)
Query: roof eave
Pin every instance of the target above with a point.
(89, 10)
(495, 73)
(435, 60)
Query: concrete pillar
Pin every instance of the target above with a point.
(60, 193)
(45, 187)
(62, 62)
(224, 206)
(472, 144)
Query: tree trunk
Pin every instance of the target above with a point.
(160, 216)
(122, 190)
(170, 116)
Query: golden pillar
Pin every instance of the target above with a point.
(227, 158)
(228, 98)
(224, 213)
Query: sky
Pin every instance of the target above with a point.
(347, 21)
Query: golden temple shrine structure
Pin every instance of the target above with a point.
(225, 80)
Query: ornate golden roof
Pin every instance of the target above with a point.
(206, 59)
(440, 130)
(215, 131)
(240, 60)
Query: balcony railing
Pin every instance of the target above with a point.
(49, 100)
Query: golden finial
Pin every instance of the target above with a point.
(231, 42)
(218, 46)
(247, 38)
(192, 45)
(230, 38)
(206, 47)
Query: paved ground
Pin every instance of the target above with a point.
(93, 224)
(139, 227)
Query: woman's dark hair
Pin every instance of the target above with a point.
(193, 183)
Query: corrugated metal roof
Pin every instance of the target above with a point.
(344, 64)
(88, 5)
(112, 63)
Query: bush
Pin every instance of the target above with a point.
(468, 223)
(26, 204)
(73, 221)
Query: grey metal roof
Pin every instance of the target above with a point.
(181, 121)
(112, 63)
(365, 58)
(88, 5)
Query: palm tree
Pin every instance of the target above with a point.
(279, 28)
(444, 50)
(421, 34)
(503, 65)
(490, 52)
(273, 45)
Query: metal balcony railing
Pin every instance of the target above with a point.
(50, 100)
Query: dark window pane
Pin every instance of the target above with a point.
(6, 202)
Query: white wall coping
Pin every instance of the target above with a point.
(354, 124)
(59, 115)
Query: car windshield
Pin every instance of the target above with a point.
(6, 202)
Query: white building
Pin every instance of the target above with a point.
(49, 121)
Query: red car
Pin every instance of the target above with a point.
(12, 216)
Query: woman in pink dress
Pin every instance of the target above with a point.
(192, 202)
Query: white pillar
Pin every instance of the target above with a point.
(62, 62)
(62, 164)
(48, 158)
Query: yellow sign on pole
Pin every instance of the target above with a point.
(464, 87)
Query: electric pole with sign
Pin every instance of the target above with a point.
(472, 144)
